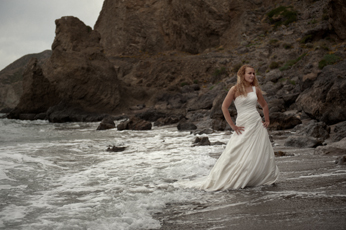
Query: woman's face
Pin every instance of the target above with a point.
(249, 75)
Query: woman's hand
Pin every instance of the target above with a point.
(266, 124)
(238, 129)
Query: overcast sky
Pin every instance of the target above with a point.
(28, 26)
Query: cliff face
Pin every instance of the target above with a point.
(179, 56)
(132, 26)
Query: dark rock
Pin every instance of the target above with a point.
(216, 110)
(308, 80)
(27, 116)
(276, 105)
(219, 124)
(11, 78)
(173, 119)
(202, 131)
(152, 115)
(190, 88)
(217, 143)
(280, 121)
(317, 130)
(115, 149)
(38, 93)
(83, 77)
(337, 17)
(62, 113)
(202, 141)
(273, 75)
(185, 126)
(122, 125)
(76, 83)
(326, 99)
(41, 116)
(336, 148)
(339, 131)
(106, 123)
(161, 26)
(134, 123)
(271, 88)
(302, 142)
(205, 100)
(289, 99)
(137, 107)
(341, 160)
(282, 154)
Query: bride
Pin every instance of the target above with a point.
(248, 159)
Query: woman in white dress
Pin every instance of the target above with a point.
(248, 159)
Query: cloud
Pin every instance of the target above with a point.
(29, 26)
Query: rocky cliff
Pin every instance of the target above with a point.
(77, 80)
(180, 57)
(130, 27)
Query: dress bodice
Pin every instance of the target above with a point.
(246, 104)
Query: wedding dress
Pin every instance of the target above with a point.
(248, 159)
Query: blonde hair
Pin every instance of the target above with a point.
(241, 83)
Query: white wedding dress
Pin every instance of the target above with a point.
(248, 159)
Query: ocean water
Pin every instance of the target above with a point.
(60, 176)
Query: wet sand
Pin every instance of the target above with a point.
(310, 194)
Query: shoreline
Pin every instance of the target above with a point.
(310, 194)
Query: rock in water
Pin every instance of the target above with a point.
(115, 149)
(134, 123)
(184, 126)
(202, 141)
(106, 123)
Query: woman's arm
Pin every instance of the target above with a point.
(264, 106)
(225, 105)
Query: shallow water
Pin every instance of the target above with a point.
(60, 176)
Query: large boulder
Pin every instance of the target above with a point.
(325, 100)
(38, 93)
(11, 80)
(186, 126)
(106, 123)
(302, 142)
(280, 121)
(336, 148)
(80, 72)
(339, 132)
(169, 120)
(316, 129)
(76, 83)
